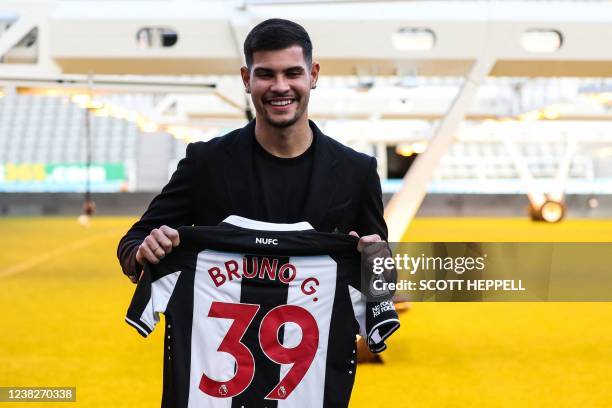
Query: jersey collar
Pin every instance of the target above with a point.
(248, 223)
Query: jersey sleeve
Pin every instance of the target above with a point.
(377, 320)
(151, 297)
(381, 321)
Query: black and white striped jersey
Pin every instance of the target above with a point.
(259, 315)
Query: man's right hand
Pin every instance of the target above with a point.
(157, 244)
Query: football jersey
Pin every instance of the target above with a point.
(259, 315)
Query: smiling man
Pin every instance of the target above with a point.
(279, 168)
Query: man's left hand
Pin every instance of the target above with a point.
(366, 239)
(372, 247)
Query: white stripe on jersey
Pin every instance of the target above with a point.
(309, 392)
(359, 309)
(208, 332)
(161, 290)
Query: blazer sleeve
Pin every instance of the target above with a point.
(173, 207)
(371, 214)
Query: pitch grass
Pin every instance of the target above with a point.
(63, 300)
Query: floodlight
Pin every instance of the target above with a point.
(550, 211)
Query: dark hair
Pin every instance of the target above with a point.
(276, 34)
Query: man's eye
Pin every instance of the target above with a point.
(264, 75)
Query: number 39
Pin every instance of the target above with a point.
(300, 356)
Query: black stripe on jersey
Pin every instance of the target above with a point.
(340, 370)
(268, 294)
(177, 333)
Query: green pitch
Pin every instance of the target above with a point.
(63, 300)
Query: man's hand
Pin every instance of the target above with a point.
(157, 244)
(366, 239)
(372, 247)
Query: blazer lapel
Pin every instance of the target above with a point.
(238, 172)
(323, 183)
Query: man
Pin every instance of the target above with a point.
(279, 168)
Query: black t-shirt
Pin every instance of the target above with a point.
(283, 184)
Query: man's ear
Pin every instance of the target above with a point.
(246, 78)
(314, 74)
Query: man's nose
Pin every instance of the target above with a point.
(280, 84)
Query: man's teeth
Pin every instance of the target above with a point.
(281, 103)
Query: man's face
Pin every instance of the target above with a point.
(280, 83)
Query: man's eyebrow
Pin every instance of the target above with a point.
(296, 68)
(261, 70)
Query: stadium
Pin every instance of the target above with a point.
(490, 123)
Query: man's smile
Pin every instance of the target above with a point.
(280, 102)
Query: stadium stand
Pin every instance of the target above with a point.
(51, 129)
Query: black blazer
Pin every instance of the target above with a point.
(215, 180)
